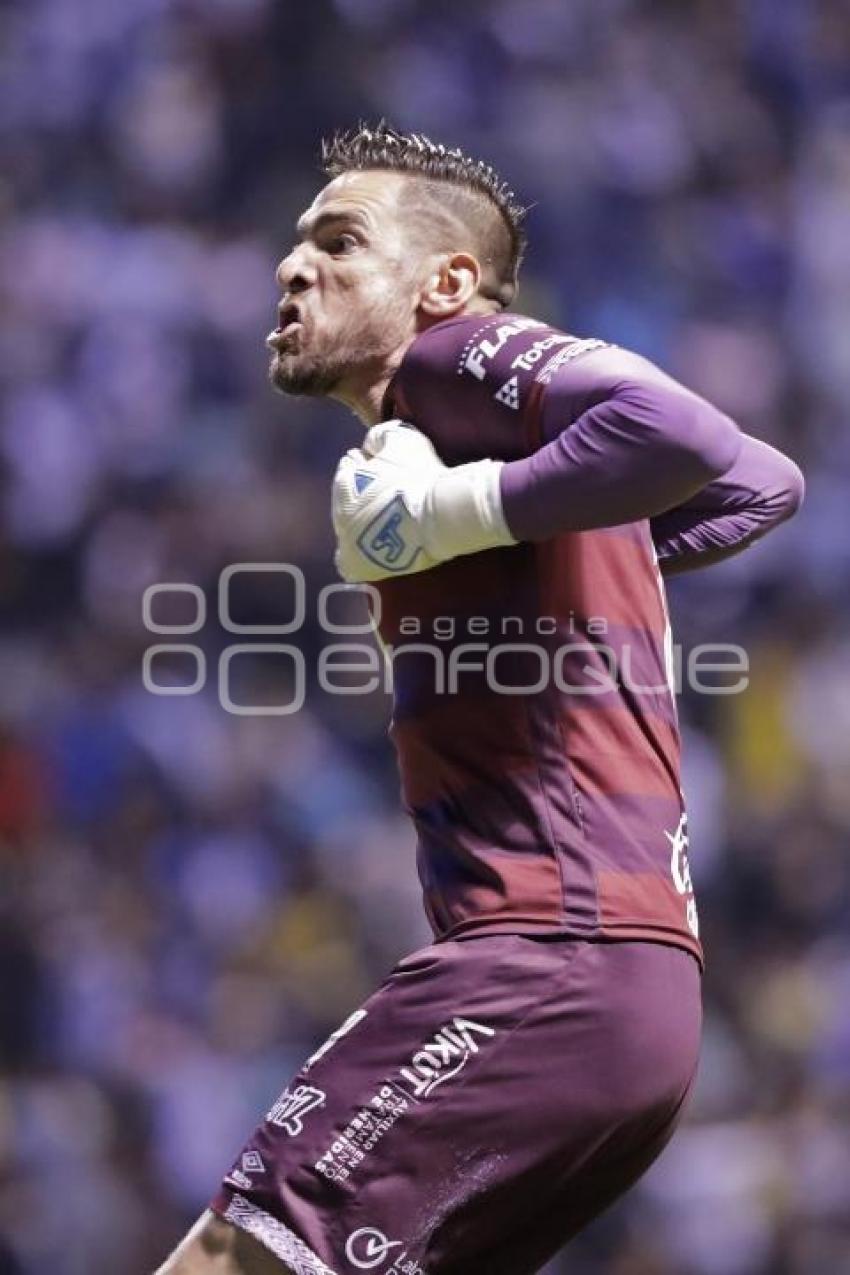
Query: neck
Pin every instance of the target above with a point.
(364, 394)
(365, 401)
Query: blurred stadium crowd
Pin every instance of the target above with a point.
(192, 899)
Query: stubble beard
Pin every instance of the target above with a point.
(301, 375)
(319, 365)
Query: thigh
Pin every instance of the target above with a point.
(471, 1089)
(612, 1074)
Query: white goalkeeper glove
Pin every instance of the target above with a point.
(398, 509)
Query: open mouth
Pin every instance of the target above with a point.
(289, 323)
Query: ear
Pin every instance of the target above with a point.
(451, 285)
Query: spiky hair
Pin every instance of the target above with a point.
(476, 185)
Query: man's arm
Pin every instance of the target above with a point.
(626, 443)
(643, 445)
(761, 490)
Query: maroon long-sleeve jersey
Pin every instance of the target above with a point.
(534, 717)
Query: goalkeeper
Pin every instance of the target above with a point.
(507, 1083)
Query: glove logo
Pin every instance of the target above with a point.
(386, 540)
(362, 480)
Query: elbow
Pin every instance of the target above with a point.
(713, 440)
(771, 473)
(791, 491)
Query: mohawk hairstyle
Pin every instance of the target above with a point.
(475, 192)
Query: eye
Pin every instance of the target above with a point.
(340, 244)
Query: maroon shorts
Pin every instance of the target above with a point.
(487, 1101)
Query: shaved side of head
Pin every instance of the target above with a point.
(450, 201)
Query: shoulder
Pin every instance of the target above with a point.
(480, 347)
(498, 358)
(482, 384)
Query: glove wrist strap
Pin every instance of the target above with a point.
(462, 511)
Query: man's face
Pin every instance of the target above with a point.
(349, 289)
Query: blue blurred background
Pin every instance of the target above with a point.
(192, 899)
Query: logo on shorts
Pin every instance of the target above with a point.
(368, 1247)
(290, 1109)
(240, 1179)
(443, 1057)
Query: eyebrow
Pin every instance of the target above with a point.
(305, 226)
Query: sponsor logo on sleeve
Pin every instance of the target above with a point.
(477, 355)
(529, 358)
(572, 351)
(509, 394)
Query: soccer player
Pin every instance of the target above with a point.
(507, 1083)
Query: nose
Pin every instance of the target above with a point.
(296, 272)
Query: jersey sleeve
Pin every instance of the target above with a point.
(626, 442)
(761, 490)
(473, 384)
(591, 435)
